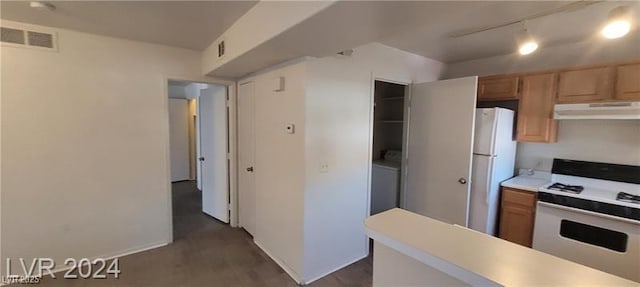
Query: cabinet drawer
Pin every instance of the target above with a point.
(520, 197)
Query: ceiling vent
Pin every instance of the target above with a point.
(14, 36)
(28, 38)
(38, 39)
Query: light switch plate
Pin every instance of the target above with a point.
(278, 84)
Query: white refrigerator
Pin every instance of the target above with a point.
(494, 154)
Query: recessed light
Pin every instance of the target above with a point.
(618, 23)
(528, 47)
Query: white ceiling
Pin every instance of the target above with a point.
(431, 36)
(423, 27)
(187, 24)
(420, 27)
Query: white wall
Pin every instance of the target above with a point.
(263, 21)
(279, 166)
(337, 132)
(85, 146)
(177, 91)
(312, 222)
(611, 141)
(179, 138)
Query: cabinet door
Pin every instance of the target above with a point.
(516, 224)
(535, 111)
(585, 85)
(628, 82)
(498, 88)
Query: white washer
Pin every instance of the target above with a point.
(385, 183)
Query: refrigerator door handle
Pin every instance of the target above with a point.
(489, 155)
(489, 178)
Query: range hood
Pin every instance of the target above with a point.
(612, 110)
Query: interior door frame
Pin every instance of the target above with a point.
(231, 144)
(246, 81)
(394, 79)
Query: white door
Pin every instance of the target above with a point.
(439, 147)
(213, 152)
(246, 156)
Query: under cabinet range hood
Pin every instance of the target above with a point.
(612, 110)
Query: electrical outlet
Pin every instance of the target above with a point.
(324, 167)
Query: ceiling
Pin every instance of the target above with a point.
(424, 28)
(431, 36)
(186, 24)
(420, 27)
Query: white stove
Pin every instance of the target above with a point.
(606, 191)
(580, 216)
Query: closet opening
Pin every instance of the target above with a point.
(389, 131)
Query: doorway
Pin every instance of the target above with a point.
(390, 100)
(198, 153)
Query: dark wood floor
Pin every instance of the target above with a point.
(206, 252)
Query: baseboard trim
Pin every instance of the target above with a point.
(114, 255)
(286, 268)
(349, 262)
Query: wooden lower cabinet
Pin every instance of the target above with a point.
(517, 216)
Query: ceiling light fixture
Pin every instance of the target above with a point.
(618, 23)
(42, 5)
(526, 43)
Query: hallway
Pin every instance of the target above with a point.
(206, 252)
(188, 218)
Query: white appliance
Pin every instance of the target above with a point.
(613, 110)
(591, 215)
(494, 153)
(385, 182)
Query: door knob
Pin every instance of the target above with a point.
(201, 158)
(462, 180)
(250, 169)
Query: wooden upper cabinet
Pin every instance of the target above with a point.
(535, 110)
(583, 85)
(628, 82)
(498, 88)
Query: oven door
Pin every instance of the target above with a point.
(604, 242)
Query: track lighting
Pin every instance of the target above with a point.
(618, 23)
(526, 43)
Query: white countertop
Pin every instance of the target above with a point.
(479, 259)
(528, 182)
